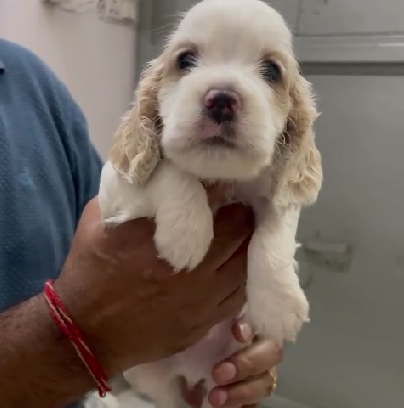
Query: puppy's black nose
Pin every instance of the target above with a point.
(221, 105)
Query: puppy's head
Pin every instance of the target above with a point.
(223, 101)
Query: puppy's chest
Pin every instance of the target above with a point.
(255, 193)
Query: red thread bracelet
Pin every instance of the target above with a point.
(67, 326)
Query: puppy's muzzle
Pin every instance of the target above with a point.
(221, 105)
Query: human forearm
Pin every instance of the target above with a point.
(38, 365)
(129, 306)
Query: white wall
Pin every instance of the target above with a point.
(95, 59)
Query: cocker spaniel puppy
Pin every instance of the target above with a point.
(224, 102)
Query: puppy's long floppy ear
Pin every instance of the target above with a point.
(301, 171)
(136, 147)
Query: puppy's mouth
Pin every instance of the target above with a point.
(217, 134)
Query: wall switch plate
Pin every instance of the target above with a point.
(123, 11)
(334, 257)
(77, 6)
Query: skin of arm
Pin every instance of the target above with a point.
(39, 365)
(45, 370)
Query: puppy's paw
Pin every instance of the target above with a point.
(279, 317)
(185, 245)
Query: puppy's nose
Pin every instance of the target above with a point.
(221, 105)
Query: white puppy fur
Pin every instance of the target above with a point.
(172, 141)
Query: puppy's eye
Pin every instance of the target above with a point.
(187, 60)
(271, 71)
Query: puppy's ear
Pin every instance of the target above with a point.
(136, 147)
(301, 175)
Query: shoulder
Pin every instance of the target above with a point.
(20, 62)
(32, 80)
(13, 54)
(34, 87)
(37, 88)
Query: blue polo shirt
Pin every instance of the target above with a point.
(49, 170)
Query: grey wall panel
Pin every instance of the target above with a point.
(144, 48)
(344, 17)
(289, 10)
(353, 69)
(157, 19)
(326, 31)
(350, 355)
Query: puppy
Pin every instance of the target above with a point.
(223, 103)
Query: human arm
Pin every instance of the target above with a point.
(107, 285)
(38, 365)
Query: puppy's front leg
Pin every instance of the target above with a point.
(277, 306)
(184, 221)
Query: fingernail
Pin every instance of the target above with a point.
(226, 372)
(246, 332)
(219, 398)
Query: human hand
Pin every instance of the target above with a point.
(128, 303)
(244, 378)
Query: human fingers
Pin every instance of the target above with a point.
(230, 280)
(247, 392)
(233, 224)
(255, 359)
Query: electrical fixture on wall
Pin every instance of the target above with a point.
(120, 11)
(331, 256)
(116, 11)
(317, 254)
(76, 6)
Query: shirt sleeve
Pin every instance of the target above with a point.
(86, 162)
(71, 125)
